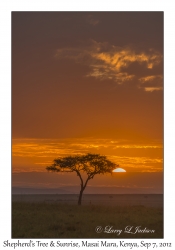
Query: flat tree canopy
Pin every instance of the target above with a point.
(91, 164)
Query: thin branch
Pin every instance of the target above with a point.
(86, 182)
(78, 173)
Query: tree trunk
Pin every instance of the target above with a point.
(80, 196)
(82, 187)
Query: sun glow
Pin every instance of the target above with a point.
(119, 170)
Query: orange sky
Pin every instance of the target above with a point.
(87, 82)
(35, 154)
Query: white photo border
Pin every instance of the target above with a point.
(6, 7)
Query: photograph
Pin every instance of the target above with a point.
(87, 111)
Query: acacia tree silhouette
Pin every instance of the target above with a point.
(91, 164)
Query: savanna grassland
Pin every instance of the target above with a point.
(53, 220)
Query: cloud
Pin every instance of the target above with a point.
(151, 83)
(121, 58)
(151, 89)
(103, 72)
(149, 78)
(111, 62)
(92, 21)
(36, 154)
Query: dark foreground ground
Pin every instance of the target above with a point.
(132, 217)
